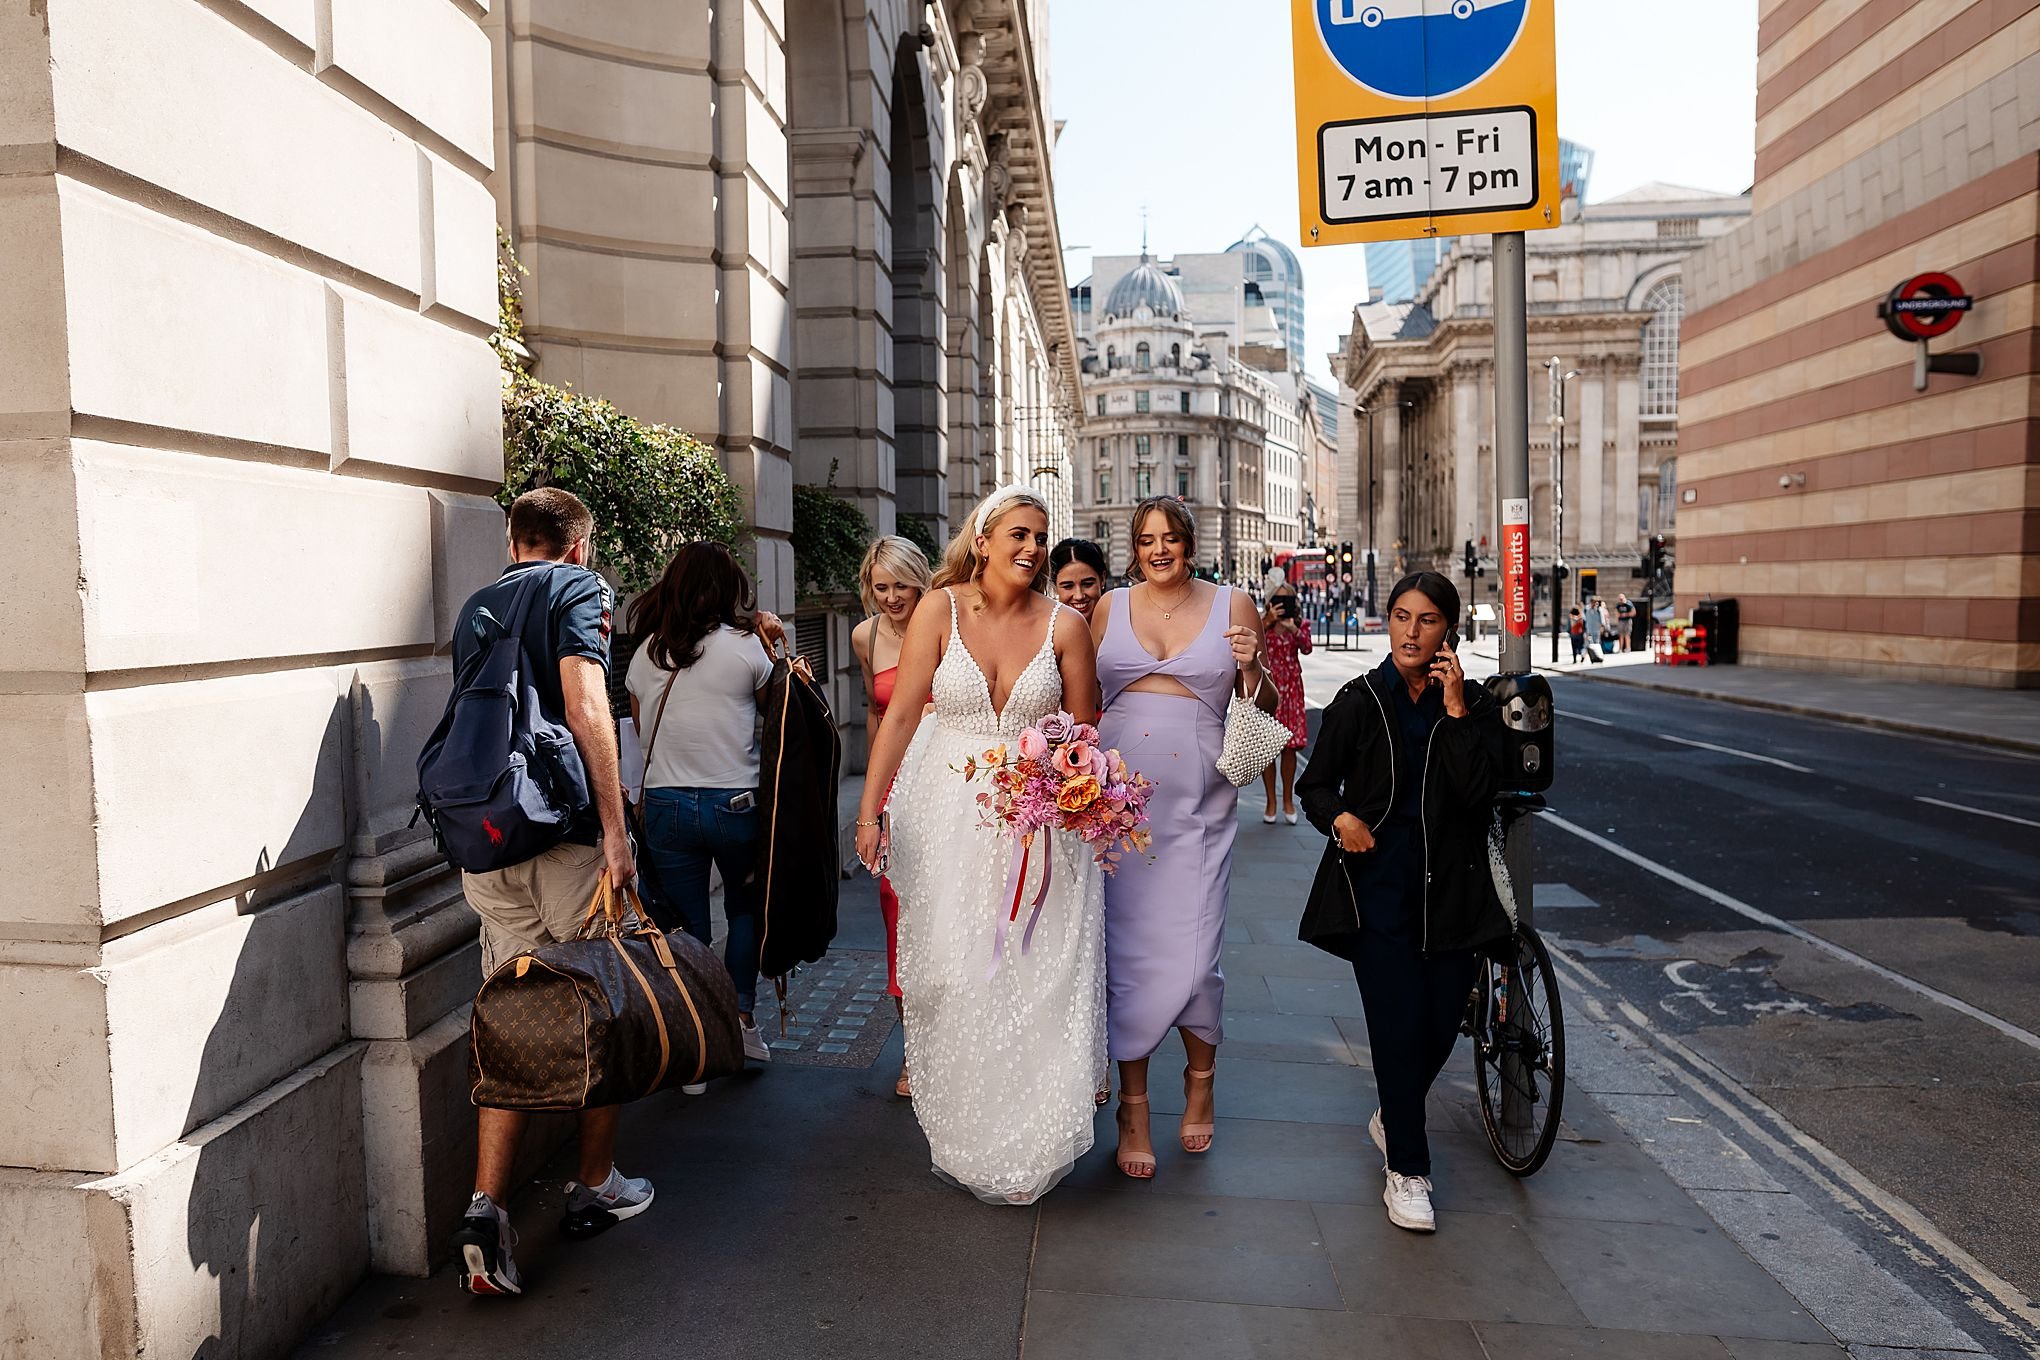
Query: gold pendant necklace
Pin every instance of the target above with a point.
(1170, 612)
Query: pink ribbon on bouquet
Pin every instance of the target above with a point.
(1016, 883)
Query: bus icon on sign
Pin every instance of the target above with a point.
(1420, 49)
(1376, 14)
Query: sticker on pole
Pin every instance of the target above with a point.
(1516, 566)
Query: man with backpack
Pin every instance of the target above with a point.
(533, 828)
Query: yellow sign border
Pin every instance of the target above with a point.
(1325, 94)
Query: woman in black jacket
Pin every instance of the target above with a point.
(1403, 779)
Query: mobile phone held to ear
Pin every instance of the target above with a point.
(1452, 640)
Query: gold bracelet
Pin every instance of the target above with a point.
(879, 822)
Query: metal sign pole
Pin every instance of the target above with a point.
(1512, 407)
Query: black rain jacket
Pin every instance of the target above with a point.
(1353, 768)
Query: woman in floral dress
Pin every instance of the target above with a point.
(1288, 634)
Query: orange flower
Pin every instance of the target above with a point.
(1078, 794)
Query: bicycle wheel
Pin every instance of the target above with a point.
(1519, 1055)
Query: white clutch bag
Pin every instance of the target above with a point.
(1252, 741)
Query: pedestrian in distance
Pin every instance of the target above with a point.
(1287, 630)
(695, 686)
(1595, 618)
(1403, 779)
(1625, 622)
(1576, 629)
(891, 581)
(1005, 1059)
(565, 645)
(1077, 569)
(1171, 653)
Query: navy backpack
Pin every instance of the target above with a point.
(500, 782)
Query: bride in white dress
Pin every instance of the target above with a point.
(1005, 1044)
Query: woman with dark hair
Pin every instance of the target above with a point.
(1288, 632)
(1077, 567)
(1403, 780)
(694, 686)
(1172, 650)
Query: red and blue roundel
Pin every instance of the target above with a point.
(1419, 49)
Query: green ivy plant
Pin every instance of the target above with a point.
(829, 538)
(918, 532)
(650, 487)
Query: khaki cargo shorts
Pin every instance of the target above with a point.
(534, 903)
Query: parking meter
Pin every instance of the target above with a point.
(1527, 726)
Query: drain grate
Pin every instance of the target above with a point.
(837, 1013)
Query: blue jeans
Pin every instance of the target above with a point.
(685, 831)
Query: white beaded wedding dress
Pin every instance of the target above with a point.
(1005, 1046)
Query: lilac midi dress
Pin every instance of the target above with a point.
(1165, 915)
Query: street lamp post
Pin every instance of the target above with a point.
(1553, 368)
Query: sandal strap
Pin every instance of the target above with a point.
(1195, 1075)
(1127, 1098)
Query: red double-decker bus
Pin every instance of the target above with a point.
(1303, 566)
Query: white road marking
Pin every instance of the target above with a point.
(1977, 812)
(1731, 751)
(1988, 1296)
(1826, 946)
(1571, 716)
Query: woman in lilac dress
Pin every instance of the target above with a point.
(1171, 650)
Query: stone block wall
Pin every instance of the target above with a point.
(250, 424)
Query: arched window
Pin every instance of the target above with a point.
(1111, 356)
(1141, 355)
(1666, 304)
(1175, 356)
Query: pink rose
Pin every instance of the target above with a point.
(1085, 732)
(1100, 766)
(1033, 745)
(1056, 728)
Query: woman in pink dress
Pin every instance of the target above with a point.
(891, 580)
(1288, 635)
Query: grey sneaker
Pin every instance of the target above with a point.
(1409, 1202)
(755, 1047)
(590, 1213)
(694, 1088)
(483, 1246)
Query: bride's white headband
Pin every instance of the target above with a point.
(999, 500)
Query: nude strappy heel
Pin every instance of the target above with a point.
(1132, 1164)
(1188, 1131)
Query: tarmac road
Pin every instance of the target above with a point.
(1845, 921)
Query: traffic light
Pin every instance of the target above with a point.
(1472, 558)
(1346, 561)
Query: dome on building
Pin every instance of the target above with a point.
(1146, 286)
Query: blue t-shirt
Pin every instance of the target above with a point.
(1389, 880)
(572, 619)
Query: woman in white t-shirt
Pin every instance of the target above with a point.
(694, 688)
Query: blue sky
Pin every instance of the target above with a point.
(1184, 108)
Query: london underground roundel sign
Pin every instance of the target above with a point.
(1925, 306)
(1419, 49)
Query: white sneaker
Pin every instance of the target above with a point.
(1379, 1135)
(755, 1047)
(1409, 1202)
(694, 1088)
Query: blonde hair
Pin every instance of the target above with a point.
(961, 565)
(900, 556)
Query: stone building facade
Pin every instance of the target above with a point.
(1863, 525)
(1417, 464)
(1175, 408)
(251, 423)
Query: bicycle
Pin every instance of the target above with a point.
(1517, 1025)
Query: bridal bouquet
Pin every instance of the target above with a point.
(1061, 779)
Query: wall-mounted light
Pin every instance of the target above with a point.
(1788, 480)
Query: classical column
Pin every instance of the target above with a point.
(235, 1081)
(1593, 481)
(1388, 482)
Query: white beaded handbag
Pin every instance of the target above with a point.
(1252, 741)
